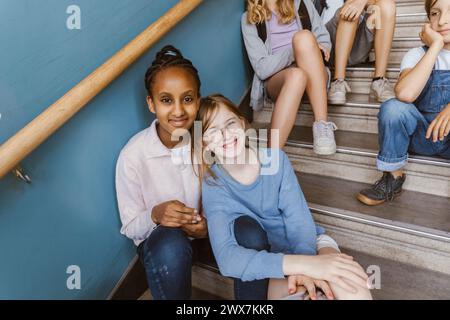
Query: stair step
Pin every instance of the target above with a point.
(360, 77)
(414, 211)
(355, 160)
(208, 278)
(419, 18)
(407, 30)
(395, 55)
(406, 43)
(413, 230)
(358, 114)
(401, 281)
(409, 7)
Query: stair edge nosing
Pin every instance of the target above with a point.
(416, 230)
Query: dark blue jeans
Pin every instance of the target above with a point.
(402, 128)
(167, 256)
(250, 235)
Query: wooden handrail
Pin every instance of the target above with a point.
(43, 126)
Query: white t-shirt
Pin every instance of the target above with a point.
(413, 56)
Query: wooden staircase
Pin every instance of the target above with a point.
(409, 239)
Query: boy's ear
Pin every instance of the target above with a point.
(151, 105)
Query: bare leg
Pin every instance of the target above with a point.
(286, 88)
(384, 36)
(309, 58)
(345, 37)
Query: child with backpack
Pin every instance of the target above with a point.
(286, 43)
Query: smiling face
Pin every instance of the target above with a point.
(225, 135)
(175, 101)
(440, 18)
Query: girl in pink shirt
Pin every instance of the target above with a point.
(158, 191)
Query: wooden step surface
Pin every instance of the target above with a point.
(414, 210)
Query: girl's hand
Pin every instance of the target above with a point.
(310, 284)
(430, 37)
(335, 268)
(174, 214)
(352, 9)
(326, 52)
(197, 231)
(440, 126)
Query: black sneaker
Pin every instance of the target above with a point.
(385, 189)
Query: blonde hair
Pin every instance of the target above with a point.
(258, 11)
(209, 106)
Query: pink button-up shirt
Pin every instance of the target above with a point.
(147, 174)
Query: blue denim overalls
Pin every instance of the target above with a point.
(402, 126)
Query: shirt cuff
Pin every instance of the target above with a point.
(325, 241)
(268, 265)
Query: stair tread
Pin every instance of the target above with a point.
(361, 100)
(348, 141)
(415, 210)
(344, 139)
(353, 100)
(407, 39)
(370, 66)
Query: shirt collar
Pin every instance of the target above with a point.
(153, 145)
(155, 148)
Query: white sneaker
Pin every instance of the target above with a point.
(381, 90)
(338, 92)
(324, 142)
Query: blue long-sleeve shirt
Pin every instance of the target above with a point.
(276, 201)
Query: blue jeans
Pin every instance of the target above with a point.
(167, 256)
(402, 128)
(250, 235)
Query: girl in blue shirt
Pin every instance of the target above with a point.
(260, 184)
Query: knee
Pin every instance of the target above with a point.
(304, 40)
(394, 110)
(296, 76)
(250, 234)
(387, 8)
(167, 245)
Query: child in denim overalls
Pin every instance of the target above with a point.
(419, 119)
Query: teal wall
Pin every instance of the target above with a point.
(68, 215)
